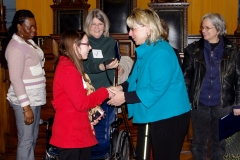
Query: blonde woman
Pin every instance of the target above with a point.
(155, 91)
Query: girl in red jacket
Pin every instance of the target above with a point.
(72, 133)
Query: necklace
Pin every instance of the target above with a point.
(31, 44)
(27, 42)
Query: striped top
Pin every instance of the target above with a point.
(26, 73)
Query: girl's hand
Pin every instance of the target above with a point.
(117, 100)
(110, 93)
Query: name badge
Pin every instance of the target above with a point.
(97, 53)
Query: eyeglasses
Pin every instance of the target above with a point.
(97, 25)
(134, 28)
(87, 44)
(206, 28)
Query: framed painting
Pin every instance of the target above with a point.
(117, 12)
(175, 15)
(69, 14)
(69, 19)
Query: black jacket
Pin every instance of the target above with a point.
(194, 69)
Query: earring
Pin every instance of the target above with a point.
(20, 35)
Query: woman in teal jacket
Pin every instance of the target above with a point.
(155, 91)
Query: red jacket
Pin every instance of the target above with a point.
(71, 127)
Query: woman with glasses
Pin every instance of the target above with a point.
(155, 91)
(211, 68)
(72, 131)
(101, 74)
(96, 27)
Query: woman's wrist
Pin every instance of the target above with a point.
(119, 88)
(26, 109)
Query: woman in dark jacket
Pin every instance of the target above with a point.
(211, 68)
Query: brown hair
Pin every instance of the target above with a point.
(67, 39)
(165, 27)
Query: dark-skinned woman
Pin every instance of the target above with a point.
(27, 92)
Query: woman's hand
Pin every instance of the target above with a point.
(28, 115)
(115, 88)
(112, 65)
(117, 99)
(120, 71)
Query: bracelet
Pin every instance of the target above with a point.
(26, 110)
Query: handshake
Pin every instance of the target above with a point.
(116, 96)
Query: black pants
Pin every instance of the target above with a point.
(74, 153)
(165, 137)
(205, 127)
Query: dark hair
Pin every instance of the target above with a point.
(19, 18)
(165, 27)
(67, 39)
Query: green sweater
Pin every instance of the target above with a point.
(91, 65)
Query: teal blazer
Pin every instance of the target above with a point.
(158, 81)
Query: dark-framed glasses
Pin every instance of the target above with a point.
(87, 44)
(97, 25)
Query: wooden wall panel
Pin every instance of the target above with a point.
(42, 12)
(197, 9)
(93, 4)
(4, 108)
